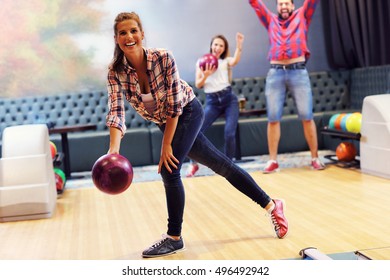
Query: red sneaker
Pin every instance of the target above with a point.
(271, 166)
(316, 164)
(278, 219)
(192, 169)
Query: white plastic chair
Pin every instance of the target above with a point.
(27, 181)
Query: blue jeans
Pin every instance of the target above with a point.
(298, 82)
(190, 141)
(218, 103)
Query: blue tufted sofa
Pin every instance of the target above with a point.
(333, 92)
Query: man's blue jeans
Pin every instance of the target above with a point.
(298, 82)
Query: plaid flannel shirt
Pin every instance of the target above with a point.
(170, 92)
(287, 38)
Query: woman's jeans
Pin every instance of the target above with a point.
(189, 141)
(218, 103)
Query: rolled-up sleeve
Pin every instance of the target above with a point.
(116, 110)
(175, 90)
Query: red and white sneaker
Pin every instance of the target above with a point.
(316, 164)
(278, 219)
(192, 169)
(271, 166)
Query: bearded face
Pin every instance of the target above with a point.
(285, 8)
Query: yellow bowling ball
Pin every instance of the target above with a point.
(354, 122)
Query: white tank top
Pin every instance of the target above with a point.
(219, 79)
(149, 102)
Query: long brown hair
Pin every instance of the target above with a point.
(225, 53)
(117, 61)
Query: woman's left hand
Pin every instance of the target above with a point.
(167, 158)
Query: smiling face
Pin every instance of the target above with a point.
(285, 8)
(217, 47)
(129, 36)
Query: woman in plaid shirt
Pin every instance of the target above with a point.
(149, 80)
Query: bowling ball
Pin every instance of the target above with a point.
(346, 151)
(354, 123)
(337, 122)
(61, 173)
(53, 149)
(112, 173)
(208, 59)
(343, 123)
(332, 120)
(59, 183)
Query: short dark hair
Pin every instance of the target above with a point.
(292, 1)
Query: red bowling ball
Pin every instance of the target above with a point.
(346, 151)
(208, 59)
(53, 149)
(59, 183)
(112, 173)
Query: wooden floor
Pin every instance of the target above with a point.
(335, 210)
(375, 254)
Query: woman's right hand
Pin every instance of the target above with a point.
(203, 74)
(208, 70)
